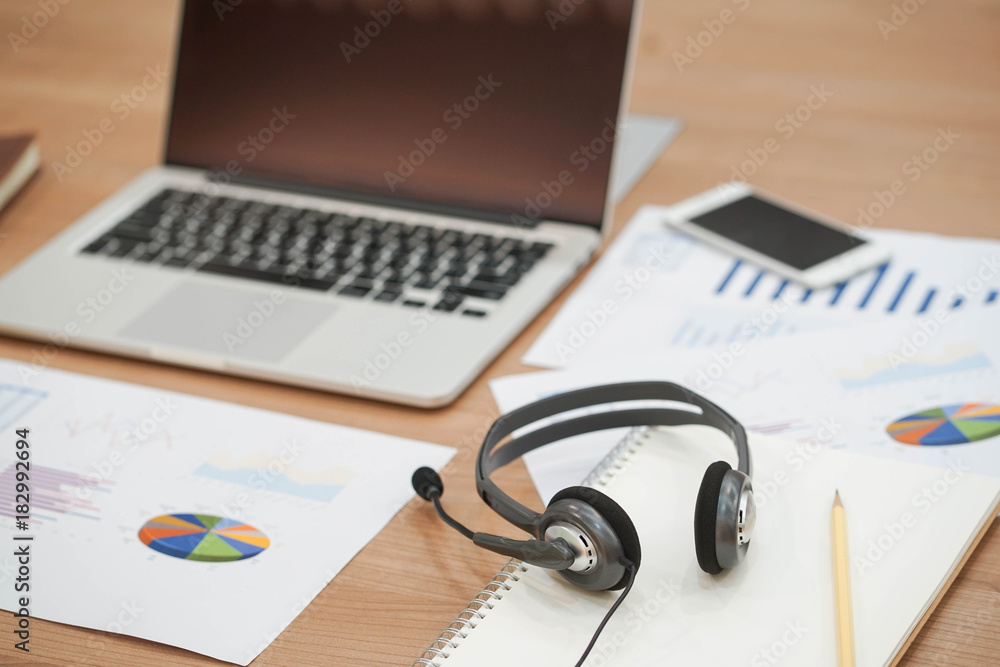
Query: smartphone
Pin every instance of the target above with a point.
(776, 235)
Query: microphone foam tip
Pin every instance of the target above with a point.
(425, 481)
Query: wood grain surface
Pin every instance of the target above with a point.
(887, 93)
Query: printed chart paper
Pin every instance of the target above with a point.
(183, 520)
(655, 288)
(891, 390)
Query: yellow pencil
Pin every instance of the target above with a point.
(842, 584)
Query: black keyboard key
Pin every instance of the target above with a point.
(388, 296)
(329, 273)
(522, 267)
(481, 291)
(97, 244)
(143, 219)
(396, 275)
(248, 271)
(449, 302)
(305, 263)
(318, 284)
(399, 261)
(425, 281)
(123, 247)
(343, 250)
(150, 255)
(414, 303)
(355, 290)
(126, 230)
(158, 206)
(472, 312)
(468, 255)
(506, 279)
(335, 274)
(494, 261)
(241, 271)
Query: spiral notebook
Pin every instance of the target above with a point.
(910, 530)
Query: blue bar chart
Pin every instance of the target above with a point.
(888, 289)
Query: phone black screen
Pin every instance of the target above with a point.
(777, 232)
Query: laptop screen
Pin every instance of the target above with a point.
(505, 108)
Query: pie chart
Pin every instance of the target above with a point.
(948, 425)
(202, 537)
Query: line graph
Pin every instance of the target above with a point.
(267, 473)
(876, 371)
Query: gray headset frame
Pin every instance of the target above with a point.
(489, 461)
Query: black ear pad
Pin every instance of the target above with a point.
(616, 517)
(705, 512)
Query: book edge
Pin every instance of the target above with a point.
(24, 168)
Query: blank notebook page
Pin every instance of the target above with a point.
(909, 527)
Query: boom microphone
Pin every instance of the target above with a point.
(555, 555)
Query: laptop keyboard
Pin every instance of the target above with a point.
(361, 258)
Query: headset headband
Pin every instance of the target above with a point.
(489, 460)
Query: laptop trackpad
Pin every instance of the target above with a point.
(262, 325)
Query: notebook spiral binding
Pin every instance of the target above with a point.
(615, 461)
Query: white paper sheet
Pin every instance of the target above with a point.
(840, 388)
(655, 288)
(106, 457)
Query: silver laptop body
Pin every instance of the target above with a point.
(395, 287)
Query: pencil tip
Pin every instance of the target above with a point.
(836, 498)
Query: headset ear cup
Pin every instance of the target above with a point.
(705, 513)
(616, 517)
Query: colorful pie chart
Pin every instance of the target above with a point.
(202, 537)
(948, 425)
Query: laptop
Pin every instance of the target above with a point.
(365, 198)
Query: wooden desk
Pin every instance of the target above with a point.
(888, 98)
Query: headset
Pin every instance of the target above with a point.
(583, 534)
